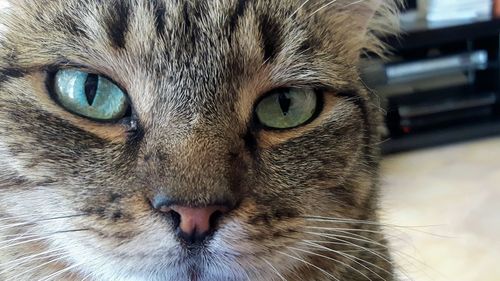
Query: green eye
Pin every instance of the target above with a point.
(90, 95)
(287, 108)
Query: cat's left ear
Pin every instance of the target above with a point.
(377, 14)
(366, 9)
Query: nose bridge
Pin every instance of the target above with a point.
(197, 169)
(204, 154)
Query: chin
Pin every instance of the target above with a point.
(150, 256)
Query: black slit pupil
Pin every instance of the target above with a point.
(91, 87)
(285, 103)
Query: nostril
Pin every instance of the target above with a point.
(215, 218)
(192, 224)
(176, 218)
(196, 224)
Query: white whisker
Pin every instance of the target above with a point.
(39, 238)
(386, 259)
(28, 261)
(322, 8)
(352, 232)
(310, 264)
(353, 3)
(58, 273)
(346, 229)
(343, 244)
(19, 261)
(335, 260)
(363, 239)
(14, 278)
(354, 221)
(352, 258)
(359, 236)
(32, 216)
(7, 226)
(275, 270)
(23, 242)
(373, 242)
(352, 244)
(300, 8)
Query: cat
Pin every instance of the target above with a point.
(190, 140)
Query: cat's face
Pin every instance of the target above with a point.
(107, 197)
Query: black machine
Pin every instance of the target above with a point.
(441, 84)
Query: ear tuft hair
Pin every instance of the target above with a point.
(383, 20)
(363, 22)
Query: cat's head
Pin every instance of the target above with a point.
(221, 132)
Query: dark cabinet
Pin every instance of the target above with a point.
(440, 84)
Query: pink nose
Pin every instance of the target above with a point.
(193, 225)
(198, 221)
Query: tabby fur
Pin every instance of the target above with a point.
(75, 194)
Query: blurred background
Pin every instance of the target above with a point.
(440, 88)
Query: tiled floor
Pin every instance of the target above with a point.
(448, 199)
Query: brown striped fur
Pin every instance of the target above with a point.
(74, 194)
